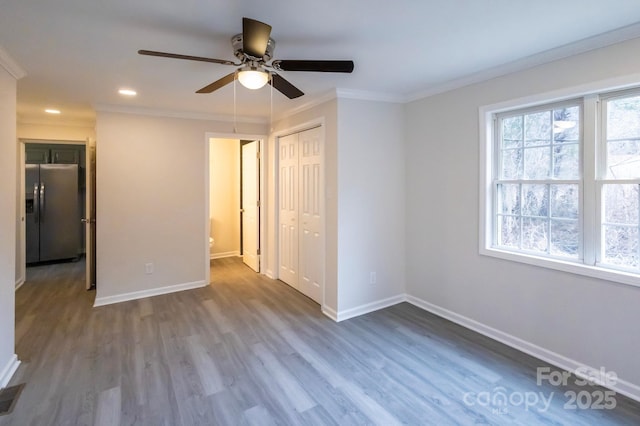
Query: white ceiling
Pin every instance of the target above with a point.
(77, 53)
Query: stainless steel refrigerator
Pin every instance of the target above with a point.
(52, 220)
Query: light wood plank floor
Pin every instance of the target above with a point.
(249, 350)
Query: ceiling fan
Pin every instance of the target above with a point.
(254, 49)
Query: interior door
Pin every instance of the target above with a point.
(90, 213)
(310, 218)
(288, 217)
(250, 209)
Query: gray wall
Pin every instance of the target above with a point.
(587, 320)
(371, 200)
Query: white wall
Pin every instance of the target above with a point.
(8, 360)
(224, 201)
(151, 203)
(371, 200)
(587, 320)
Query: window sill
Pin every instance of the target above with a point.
(621, 277)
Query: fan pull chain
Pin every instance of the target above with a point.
(271, 104)
(235, 112)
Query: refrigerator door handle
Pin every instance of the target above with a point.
(36, 207)
(42, 205)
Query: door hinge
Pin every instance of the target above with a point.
(258, 203)
(258, 155)
(259, 252)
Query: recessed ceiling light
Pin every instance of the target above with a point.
(127, 92)
(52, 111)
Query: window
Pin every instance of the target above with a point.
(620, 186)
(562, 183)
(538, 181)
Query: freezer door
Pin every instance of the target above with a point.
(31, 196)
(59, 219)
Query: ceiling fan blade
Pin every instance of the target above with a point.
(317, 66)
(284, 87)
(188, 57)
(255, 37)
(218, 83)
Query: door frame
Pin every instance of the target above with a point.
(207, 177)
(275, 210)
(21, 196)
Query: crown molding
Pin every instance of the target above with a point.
(58, 123)
(572, 49)
(190, 115)
(341, 94)
(313, 102)
(11, 66)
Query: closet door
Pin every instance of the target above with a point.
(310, 244)
(288, 199)
(301, 229)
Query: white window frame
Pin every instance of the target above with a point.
(522, 181)
(602, 178)
(592, 152)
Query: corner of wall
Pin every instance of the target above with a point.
(8, 371)
(363, 309)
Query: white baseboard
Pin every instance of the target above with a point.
(269, 274)
(225, 254)
(8, 371)
(367, 308)
(623, 387)
(330, 313)
(109, 300)
(19, 282)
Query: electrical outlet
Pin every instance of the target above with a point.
(148, 268)
(372, 277)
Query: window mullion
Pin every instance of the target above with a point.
(520, 220)
(589, 211)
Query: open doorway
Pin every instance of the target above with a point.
(234, 200)
(57, 204)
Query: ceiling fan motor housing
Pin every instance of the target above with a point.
(238, 50)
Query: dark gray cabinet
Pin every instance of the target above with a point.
(65, 155)
(37, 155)
(54, 154)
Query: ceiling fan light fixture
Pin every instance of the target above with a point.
(253, 77)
